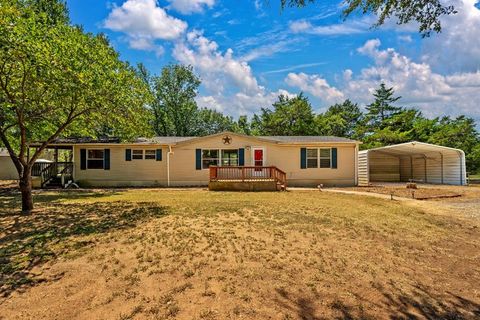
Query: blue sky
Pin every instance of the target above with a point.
(248, 54)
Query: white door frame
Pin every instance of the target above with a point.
(261, 172)
(264, 155)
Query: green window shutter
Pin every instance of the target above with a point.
(334, 158)
(128, 154)
(303, 158)
(83, 159)
(198, 159)
(241, 157)
(106, 159)
(158, 155)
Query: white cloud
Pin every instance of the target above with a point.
(405, 38)
(417, 83)
(241, 103)
(215, 67)
(457, 47)
(268, 50)
(229, 83)
(295, 67)
(143, 21)
(145, 45)
(250, 103)
(191, 6)
(316, 86)
(353, 26)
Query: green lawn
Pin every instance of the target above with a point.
(194, 254)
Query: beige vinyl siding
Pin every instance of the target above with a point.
(122, 172)
(7, 169)
(183, 164)
(286, 158)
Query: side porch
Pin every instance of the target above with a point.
(54, 169)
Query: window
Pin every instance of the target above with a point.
(312, 158)
(137, 154)
(319, 158)
(325, 158)
(210, 158)
(230, 157)
(95, 159)
(150, 154)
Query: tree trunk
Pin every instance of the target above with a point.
(26, 190)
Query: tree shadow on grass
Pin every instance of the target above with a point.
(421, 303)
(10, 198)
(396, 305)
(58, 229)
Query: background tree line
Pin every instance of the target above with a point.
(383, 122)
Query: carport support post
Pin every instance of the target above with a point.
(425, 166)
(461, 168)
(411, 168)
(441, 164)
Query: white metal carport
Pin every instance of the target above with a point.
(412, 161)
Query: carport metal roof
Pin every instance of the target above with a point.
(417, 148)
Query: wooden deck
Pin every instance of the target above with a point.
(247, 178)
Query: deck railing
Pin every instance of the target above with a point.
(50, 170)
(246, 173)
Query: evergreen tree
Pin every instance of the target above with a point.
(382, 107)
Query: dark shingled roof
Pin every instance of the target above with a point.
(163, 140)
(79, 140)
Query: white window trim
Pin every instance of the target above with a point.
(103, 159)
(220, 156)
(143, 154)
(319, 158)
(330, 158)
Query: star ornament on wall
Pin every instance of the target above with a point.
(227, 140)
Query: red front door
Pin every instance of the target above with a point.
(258, 159)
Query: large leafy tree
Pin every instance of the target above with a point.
(174, 106)
(290, 117)
(459, 133)
(340, 120)
(209, 121)
(426, 13)
(55, 80)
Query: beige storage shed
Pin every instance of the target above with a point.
(7, 168)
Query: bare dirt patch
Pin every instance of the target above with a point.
(220, 255)
(423, 192)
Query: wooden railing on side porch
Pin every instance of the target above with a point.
(50, 170)
(248, 173)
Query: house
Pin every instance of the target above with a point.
(198, 161)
